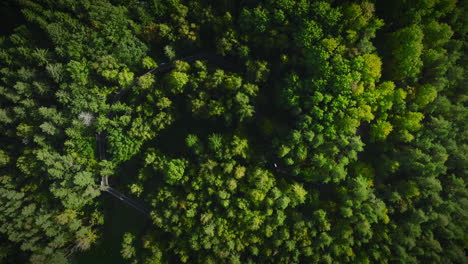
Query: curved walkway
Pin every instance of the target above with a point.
(101, 136)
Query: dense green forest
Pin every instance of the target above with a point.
(324, 131)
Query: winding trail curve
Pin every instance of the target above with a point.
(101, 137)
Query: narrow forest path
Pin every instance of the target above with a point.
(101, 138)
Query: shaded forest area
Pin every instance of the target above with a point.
(332, 131)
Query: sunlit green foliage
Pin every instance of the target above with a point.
(255, 131)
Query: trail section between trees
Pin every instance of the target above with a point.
(101, 136)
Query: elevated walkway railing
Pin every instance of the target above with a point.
(101, 136)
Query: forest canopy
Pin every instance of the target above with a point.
(272, 131)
